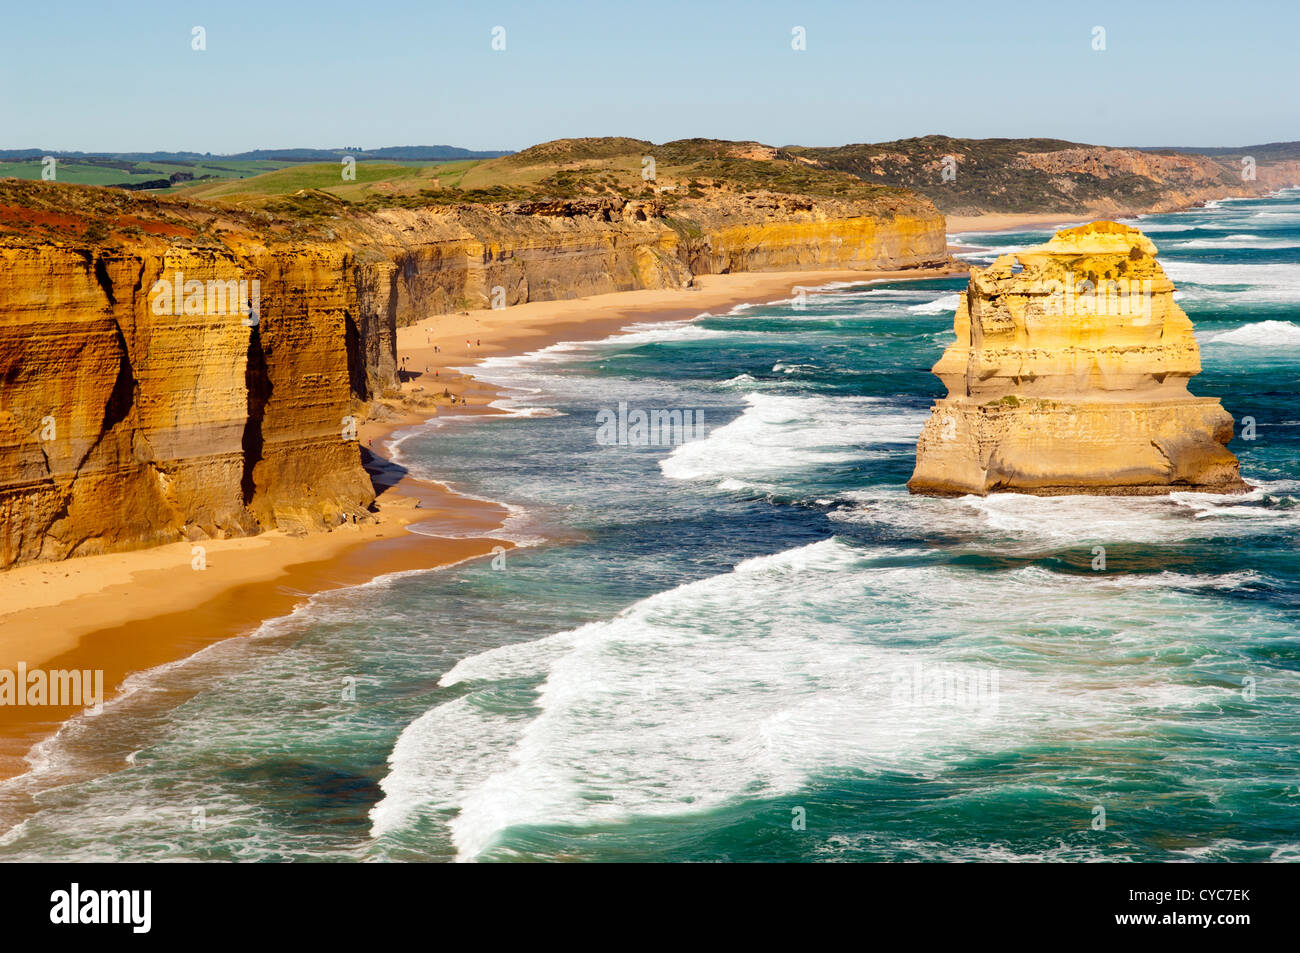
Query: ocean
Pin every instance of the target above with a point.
(755, 645)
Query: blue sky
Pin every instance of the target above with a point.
(123, 77)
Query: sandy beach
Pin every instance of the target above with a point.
(126, 612)
(1010, 222)
(1015, 221)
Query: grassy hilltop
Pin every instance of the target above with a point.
(561, 169)
(991, 175)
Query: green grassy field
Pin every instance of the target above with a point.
(254, 181)
(120, 171)
(563, 169)
(374, 178)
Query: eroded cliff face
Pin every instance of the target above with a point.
(129, 418)
(766, 232)
(1069, 375)
(433, 261)
(446, 260)
(123, 424)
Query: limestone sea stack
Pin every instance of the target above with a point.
(1069, 375)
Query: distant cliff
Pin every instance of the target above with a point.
(450, 259)
(174, 370)
(975, 176)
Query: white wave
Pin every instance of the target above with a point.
(518, 527)
(1235, 283)
(445, 752)
(1064, 519)
(515, 404)
(641, 334)
(872, 293)
(991, 251)
(504, 369)
(1282, 334)
(1179, 580)
(1017, 522)
(1159, 226)
(840, 285)
(968, 238)
(489, 368)
(748, 684)
(1244, 241)
(781, 433)
(1215, 273)
(948, 302)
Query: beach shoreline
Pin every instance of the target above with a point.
(1018, 221)
(132, 611)
(1011, 222)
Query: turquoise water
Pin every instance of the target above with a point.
(756, 645)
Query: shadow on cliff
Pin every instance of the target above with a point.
(384, 474)
(257, 383)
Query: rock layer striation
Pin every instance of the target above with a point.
(127, 420)
(1069, 375)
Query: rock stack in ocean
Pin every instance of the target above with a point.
(1069, 375)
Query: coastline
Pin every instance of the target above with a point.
(1016, 221)
(1011, 222)
(131, 611)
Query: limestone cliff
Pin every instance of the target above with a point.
(770, 232)
(146, 397)
(1069, 375)
(436, 260)
(121, 426)
(447, 259)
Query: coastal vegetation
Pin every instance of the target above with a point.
(960, 176)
